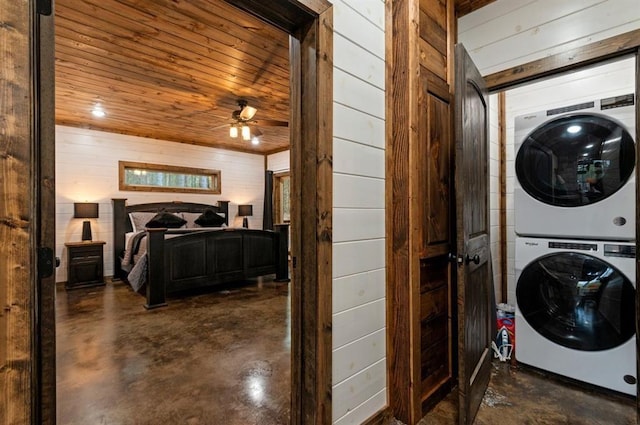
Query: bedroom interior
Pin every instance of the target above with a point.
(172, 85)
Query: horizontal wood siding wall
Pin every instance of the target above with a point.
(279, 162)
(494, 193)
(359, 366)
(87, 170)
(508, 33)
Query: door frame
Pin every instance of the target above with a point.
(27, 339)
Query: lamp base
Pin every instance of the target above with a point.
(245, 222)
(86, 230)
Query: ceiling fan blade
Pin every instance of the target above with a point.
(220, 126)
(272, 123)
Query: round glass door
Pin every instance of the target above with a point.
(575, 160)
(577, 301)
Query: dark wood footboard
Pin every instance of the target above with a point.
(208, 258)
(203, 257)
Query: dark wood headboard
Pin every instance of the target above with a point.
(122, 224)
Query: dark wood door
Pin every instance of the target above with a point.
(437, 239)
(475, 282)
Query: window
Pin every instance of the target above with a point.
(282, 202)
(139, 176)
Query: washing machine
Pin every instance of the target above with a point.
(575, 310)
(575, 171)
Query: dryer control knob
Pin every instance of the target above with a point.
(619, 221)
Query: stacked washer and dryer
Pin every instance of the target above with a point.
(574, 202)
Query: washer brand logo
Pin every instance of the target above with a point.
(531, 243)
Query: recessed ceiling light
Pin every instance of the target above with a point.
(97, 111)
(573, 129)
(255, 140)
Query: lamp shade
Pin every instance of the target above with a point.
(85, 210)
(245, 210)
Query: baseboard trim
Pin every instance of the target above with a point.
(382, 417)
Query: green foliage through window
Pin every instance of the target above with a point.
(139, 176)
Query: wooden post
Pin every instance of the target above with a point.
(155, 267)
(119, 229)
(282, 268)
(224, 208)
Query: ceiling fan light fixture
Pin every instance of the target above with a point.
(247, 112)
(233, 131)
(246, 132)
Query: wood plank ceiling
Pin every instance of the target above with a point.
(171, 70)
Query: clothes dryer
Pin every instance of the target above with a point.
(575, 310)
(575, 171)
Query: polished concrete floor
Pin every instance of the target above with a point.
(223, 358)
(524, 396)
(210, 358)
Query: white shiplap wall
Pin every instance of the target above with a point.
(494, 193)
(507, 33)
(359, 365)
(279, 162)
(87, 170)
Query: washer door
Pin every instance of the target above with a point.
(575, 160)
(577, 301)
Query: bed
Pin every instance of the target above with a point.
(188, 258)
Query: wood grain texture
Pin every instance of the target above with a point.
(46, 343)
(311, 180)
(475, 283)
(383, 417)
(566, 61)
(436, 194)
(402, 57)
(419, 199)
(502, 143)
(176, 69)
(464, 7)
(17, 221)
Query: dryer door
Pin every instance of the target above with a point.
(575, 160)
(577, 301)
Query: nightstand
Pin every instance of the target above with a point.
(84, 264)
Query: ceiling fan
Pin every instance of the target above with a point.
(242, 120)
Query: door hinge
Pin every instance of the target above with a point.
(45, 262)
(294, 262)
(44, 7)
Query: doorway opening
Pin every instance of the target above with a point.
(308, 23)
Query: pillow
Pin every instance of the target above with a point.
(166, 219)
(140, 219)
(210, 219)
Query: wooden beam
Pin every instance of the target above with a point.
(402, 123)
(45, 221)
(17, 265)
(311, 221)
(570, 60)
(502, 142)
